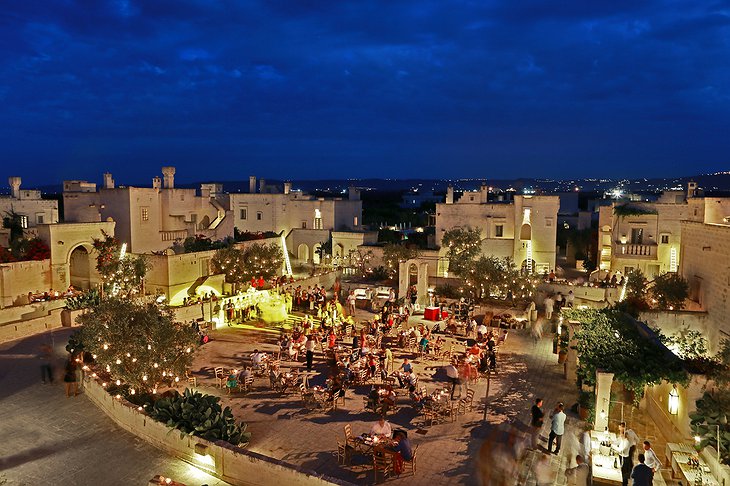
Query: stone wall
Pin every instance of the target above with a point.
(232, 464)
(20, 329)
(19, 278)
(705, 264)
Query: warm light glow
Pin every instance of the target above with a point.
(603, 415)
(698, 439)
(673, 402)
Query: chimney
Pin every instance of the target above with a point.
(287, 187)
(484, 193)
(691, 189)
(168, 177)
(252, 184)
(156, 182)
(262, 185)
(108, 181)
(353, 193)
(14, 186)
(450, 194)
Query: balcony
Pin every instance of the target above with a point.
(629, 250)
(174, 235)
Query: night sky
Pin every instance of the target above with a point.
(314, 89)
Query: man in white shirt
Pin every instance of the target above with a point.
(557, 428)
(453, 374)
(482, 329)
(309, 346)
(580, 475)
(256, 358)
(623, 448)
(351, 302)
(650, 457)
(381, 428)
(549, 303)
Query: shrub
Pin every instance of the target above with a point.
(196, 414)
(82, 301)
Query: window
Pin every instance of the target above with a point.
(548, 222)
(354, 221)
(145, 214)
(499, 231)
(244, 213)
(628, 270)
(39, 218)
(259, 216)
(23, 221)
(637, 236)
(665, 239)
(304, 225)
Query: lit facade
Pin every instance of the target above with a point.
(524, 228)
(150, 218)
(29, 206)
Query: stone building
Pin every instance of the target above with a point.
(306, 221)
(524, 228)
(153, 218)
(29, 206)
(648, 235)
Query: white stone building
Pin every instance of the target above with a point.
(29, 205)
(524, 228)
(306, 221)
(150, 218)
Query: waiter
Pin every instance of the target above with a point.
(631, 436)
(623, 449)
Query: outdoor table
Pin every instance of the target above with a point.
(692, 474)
(605, 466)
(367, 443)
(431, 313)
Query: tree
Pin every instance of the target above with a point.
(122, 273)
(464, 245)
(137, 343)
(359, 260)
(670, 291)
(323, 250)
(240, 265)
(489, 276)
(394, 254)
(14, 223)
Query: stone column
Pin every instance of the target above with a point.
(403, 278)
(422, 286)
(603, 398)
(571, 364)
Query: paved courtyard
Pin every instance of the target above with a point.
(46, 438)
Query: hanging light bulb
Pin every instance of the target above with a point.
(118, 382)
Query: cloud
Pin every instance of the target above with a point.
(537, 85)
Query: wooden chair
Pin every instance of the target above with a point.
(335, 398)
(467, 402)
(411, 465)
(308, 397)
(349, 438)
(220, 376)
(382, 463)
(246, 385)
(192, 381)
(343, 453)
(323, 403)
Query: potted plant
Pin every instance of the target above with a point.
(563, 343)
(585, 404)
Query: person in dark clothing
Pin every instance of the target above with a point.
(46, 357)
(538, 417)
(642, 474)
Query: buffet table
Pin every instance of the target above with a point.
(679, 455)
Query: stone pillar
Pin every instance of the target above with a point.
(422, 286)
(403, 278)
(252, 184)
(262, 185)
(287, 187)
(603, 399)
(156, 182)
(108, 181)
(571, 364)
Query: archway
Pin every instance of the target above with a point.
(528, 266)
(205, 222)
(303, 252)
(82, 268)
(315, 254)
(420, 280)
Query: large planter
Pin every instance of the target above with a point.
(68, 317)
(583, 412)
(562, 356)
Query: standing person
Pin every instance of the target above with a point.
(46, 357)
(580, 474)
(543, 471)
(557, 428)
(622, 448)
(538, 417)
(309, 347)
(453, 374)
(631, 436)
(642, 474)
(69, 377)
(351, 303)
(549, 303)
(570, 299)
(650, 457)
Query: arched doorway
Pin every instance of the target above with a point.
(204, 223)
(528, 266)
(315, 254)
(82, 268)
(303, 252)
(412, 274)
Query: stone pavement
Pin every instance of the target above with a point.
(46, 438)
(447, 453)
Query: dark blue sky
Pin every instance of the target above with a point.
(317, 89)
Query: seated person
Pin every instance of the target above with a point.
(257, 359)
(411, 381)
(387, 400)
(406, 366)
(402, 451)
(381, 428)
(244, 374)
(231, 382)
